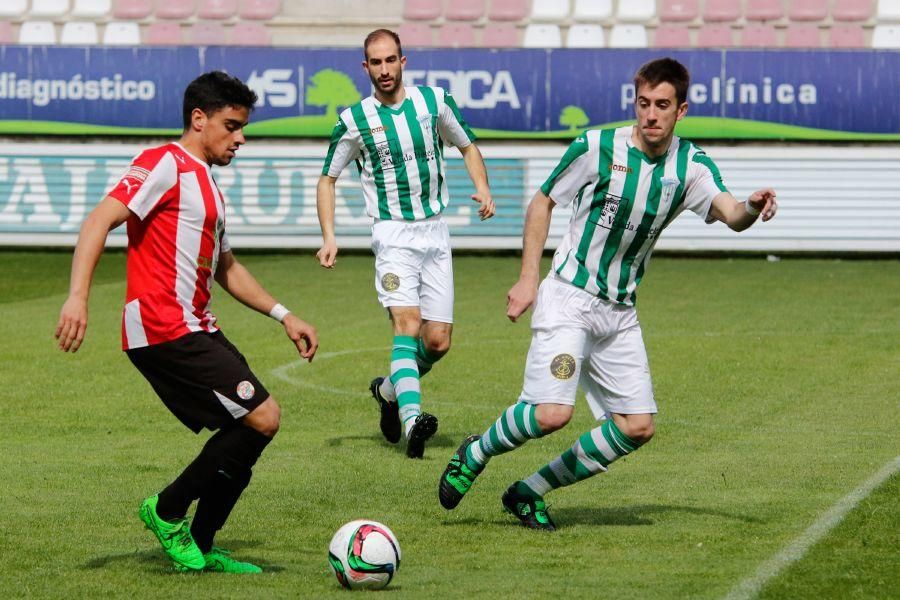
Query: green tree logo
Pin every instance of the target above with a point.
(573, 118)
(331, 89)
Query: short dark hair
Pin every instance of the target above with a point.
(664, 70)
(213, 91)
(380, 33)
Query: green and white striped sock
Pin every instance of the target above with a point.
(424, 359)
(515, 426)
(405, 379)
(591, 454)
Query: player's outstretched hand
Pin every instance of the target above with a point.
(302, 334)
(520, 298)
(764, 202)
(487, 209)
(327, 255)
(72, 324)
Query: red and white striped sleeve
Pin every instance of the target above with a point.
(152, 173)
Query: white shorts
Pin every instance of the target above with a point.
(579, 339)
(414, 266)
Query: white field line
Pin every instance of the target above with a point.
(794, 551)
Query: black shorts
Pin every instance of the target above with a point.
(202, 378)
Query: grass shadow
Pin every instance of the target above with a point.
(155, 561)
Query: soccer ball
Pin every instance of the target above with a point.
(364, 555)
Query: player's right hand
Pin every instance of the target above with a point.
(520, 298)
(327, 255)
(72, 324)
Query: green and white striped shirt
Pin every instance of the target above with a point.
(399, 151)
(622, 200)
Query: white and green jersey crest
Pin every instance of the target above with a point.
(621, 201)
(399, 151)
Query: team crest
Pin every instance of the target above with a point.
(245, 390)
(562, 366)
(390, 282)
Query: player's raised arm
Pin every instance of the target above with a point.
(327, 254)
(741, 215)
(537, 226)
(73, 317)
(478, 173)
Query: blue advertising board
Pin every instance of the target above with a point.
(516, 94)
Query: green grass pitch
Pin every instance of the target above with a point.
(778, 393)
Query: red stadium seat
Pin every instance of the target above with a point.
(131, 9)
(852, 10)
(717, 35)
(456, 35)
(259, 10)
(6, 33)
(217, 9)
(422, 10)
(720, 11)
(500, 35)
(672, 36)
(206, 34)
(250, 34)
(679, 10)
(802, 35)
(508, 10)
(845, 35)
(176, 10)
(464, 10)
(764, 10)
(416, 34)
(757, 35)
(164, 33)
(808, 10)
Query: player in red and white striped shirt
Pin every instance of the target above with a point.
(177, 245)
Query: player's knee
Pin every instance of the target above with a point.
(265, 418)
(641, 431)
(551, 417)
(437, 345)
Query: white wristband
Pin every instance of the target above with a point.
(750, 210)
(278, 312)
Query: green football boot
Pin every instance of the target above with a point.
(457, 478)
(175, 537)
(219, 561)
(530, 510)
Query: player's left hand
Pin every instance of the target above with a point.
(764, 201)
(487, 209)
(302, 334)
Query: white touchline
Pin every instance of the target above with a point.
(794, 551)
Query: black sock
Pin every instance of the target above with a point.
(232, 476)
(240, 442)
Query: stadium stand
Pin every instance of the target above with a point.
(456, 35)
(672, 36)
(592, 10)
(422, 10)
(48, 8)
(461, 23)
(91, 9)
(549, 10)
(500, 35)
(78, 33)
(802, 35)
(585, 36)
(542, 35)
(464, 10)
(13, 8)
(679, 10)
(132, 9)
(7, 36)
(628, 36)
(121, 33)
(37, 32)
(217, 9)
(636, 10)
(206, 34)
